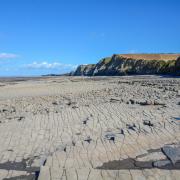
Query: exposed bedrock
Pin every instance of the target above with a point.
(140, 64)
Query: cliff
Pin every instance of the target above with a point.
(85, 70)
(129, 64)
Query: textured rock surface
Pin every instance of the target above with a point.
(177, 66)
(85, 70)
(133, 64)
(90, 128)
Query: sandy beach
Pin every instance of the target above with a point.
(98, 128)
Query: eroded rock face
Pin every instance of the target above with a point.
(128, 65)
(177, 66)
(85, 70)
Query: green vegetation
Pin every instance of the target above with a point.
(106, 60)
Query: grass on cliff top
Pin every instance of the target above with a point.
(106, 60)
(164, 57)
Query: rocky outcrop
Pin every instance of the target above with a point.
(141, 64)
(84, 70)
(177, 67)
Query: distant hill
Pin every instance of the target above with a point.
(129, 64)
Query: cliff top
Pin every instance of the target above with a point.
(151, 56)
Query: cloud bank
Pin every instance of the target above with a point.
(8, 56)
(53, 65)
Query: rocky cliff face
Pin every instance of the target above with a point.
(132, 64)
(177, 66)
(85, 70)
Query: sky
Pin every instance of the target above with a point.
(54, 36)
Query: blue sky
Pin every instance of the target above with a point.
(54, 36)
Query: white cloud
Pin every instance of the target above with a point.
(53, 65)
(8, 55)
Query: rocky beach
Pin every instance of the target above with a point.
(74, 128)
